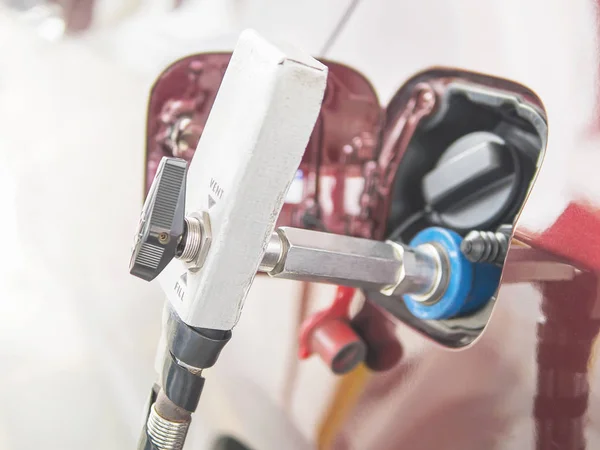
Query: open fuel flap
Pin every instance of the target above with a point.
(464, 150)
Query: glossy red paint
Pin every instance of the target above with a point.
(187, 89)
(563, 238)
(565, 342)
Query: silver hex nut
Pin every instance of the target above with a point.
(396, 288)
(419, 273)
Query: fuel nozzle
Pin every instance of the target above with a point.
(431, 274)
(208, 245)
(267, 106)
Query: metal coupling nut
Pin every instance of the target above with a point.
(420, 274)
(197, 240)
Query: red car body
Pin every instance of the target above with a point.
(526, 382)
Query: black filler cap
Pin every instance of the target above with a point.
(475, 183)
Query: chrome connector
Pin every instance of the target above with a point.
(275, 252)
(435, 262)
(306, 255)
(392, 268)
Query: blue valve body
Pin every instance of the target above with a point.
(470, 285)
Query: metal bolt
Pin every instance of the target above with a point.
(487, 246)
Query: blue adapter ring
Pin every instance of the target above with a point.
(470, 285)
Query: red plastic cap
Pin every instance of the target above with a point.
(338, 345)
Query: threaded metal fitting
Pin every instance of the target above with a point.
(166, 434)
(486, 246)
(193, 239)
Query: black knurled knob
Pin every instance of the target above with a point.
(161, 224)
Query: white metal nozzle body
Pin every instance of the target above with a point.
(248, 155)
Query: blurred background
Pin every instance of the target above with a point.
(78, 334)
